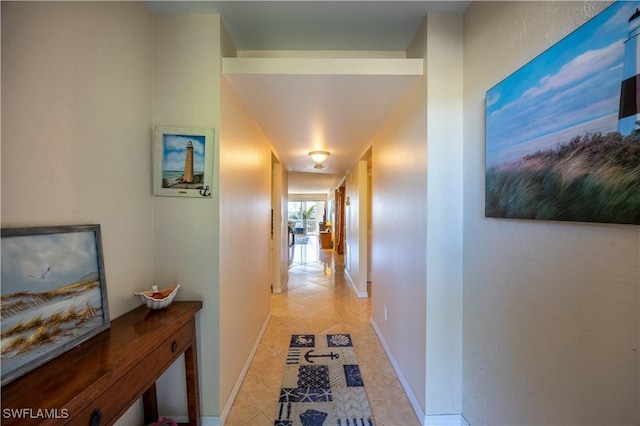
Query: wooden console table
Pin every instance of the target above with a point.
(96, 382)
(325, 240)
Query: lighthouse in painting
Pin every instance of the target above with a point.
(187, 177)
(629, 112)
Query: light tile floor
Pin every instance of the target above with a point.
(319, 300)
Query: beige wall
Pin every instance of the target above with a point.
(75, 129)
(83, 85)
(217, 237)
(76, 134)
(417, 225)
(399, 184)
(186, 238)
(551, 323)
(245, 238)
(443, 67)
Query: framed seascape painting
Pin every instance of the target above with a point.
(54, 294)
(563, 132)
(183, 162)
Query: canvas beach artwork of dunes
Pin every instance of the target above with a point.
(563, 132)
(53, 294)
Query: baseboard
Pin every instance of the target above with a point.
(427, 420)
(243, 373)
(204, 421)
(445, 420)
(403, 381)
(283, 285)
(359, 294)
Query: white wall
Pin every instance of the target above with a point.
(551, 322)
(245, 237)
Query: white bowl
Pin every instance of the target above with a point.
(158, 299)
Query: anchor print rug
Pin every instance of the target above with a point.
(322, 385)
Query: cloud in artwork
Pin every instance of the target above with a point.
(175, 151)
(556, 101)
(579, 68)
(492, 99)
(69, 256)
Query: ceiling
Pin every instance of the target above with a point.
(300, 113)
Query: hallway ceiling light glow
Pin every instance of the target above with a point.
(319, 156)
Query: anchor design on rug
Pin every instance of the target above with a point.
(308, 355)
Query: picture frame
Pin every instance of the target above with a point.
(183, 162)
(563, 131)
(53, 296)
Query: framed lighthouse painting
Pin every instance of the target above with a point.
(183, 162)
(563, 132)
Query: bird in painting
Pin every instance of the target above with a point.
(41, 277)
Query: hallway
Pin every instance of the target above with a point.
(319, 300)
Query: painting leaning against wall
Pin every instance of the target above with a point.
(563, 132)
(54, 294)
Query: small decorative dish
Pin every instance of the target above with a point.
(158, 299)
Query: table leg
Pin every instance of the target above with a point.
(193, 389)
(150, 405)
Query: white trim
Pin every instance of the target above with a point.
(322, 54)
(324, 66)
(359, 294)
(243, 373)
(210, 421)
(283, 285)
(205, 420)
(427, 420)
(405, 385)
(445, 420)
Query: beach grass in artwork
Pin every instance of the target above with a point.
(593, 178)
(563, 132)
(30, 332)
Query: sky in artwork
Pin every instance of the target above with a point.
(40, 263)
(571, 89)
(175, 151)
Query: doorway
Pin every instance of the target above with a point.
(305, 216)
(340, 228)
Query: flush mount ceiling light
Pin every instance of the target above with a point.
(319, 156)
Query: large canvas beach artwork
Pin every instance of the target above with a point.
(563, 132)
(54, 294)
